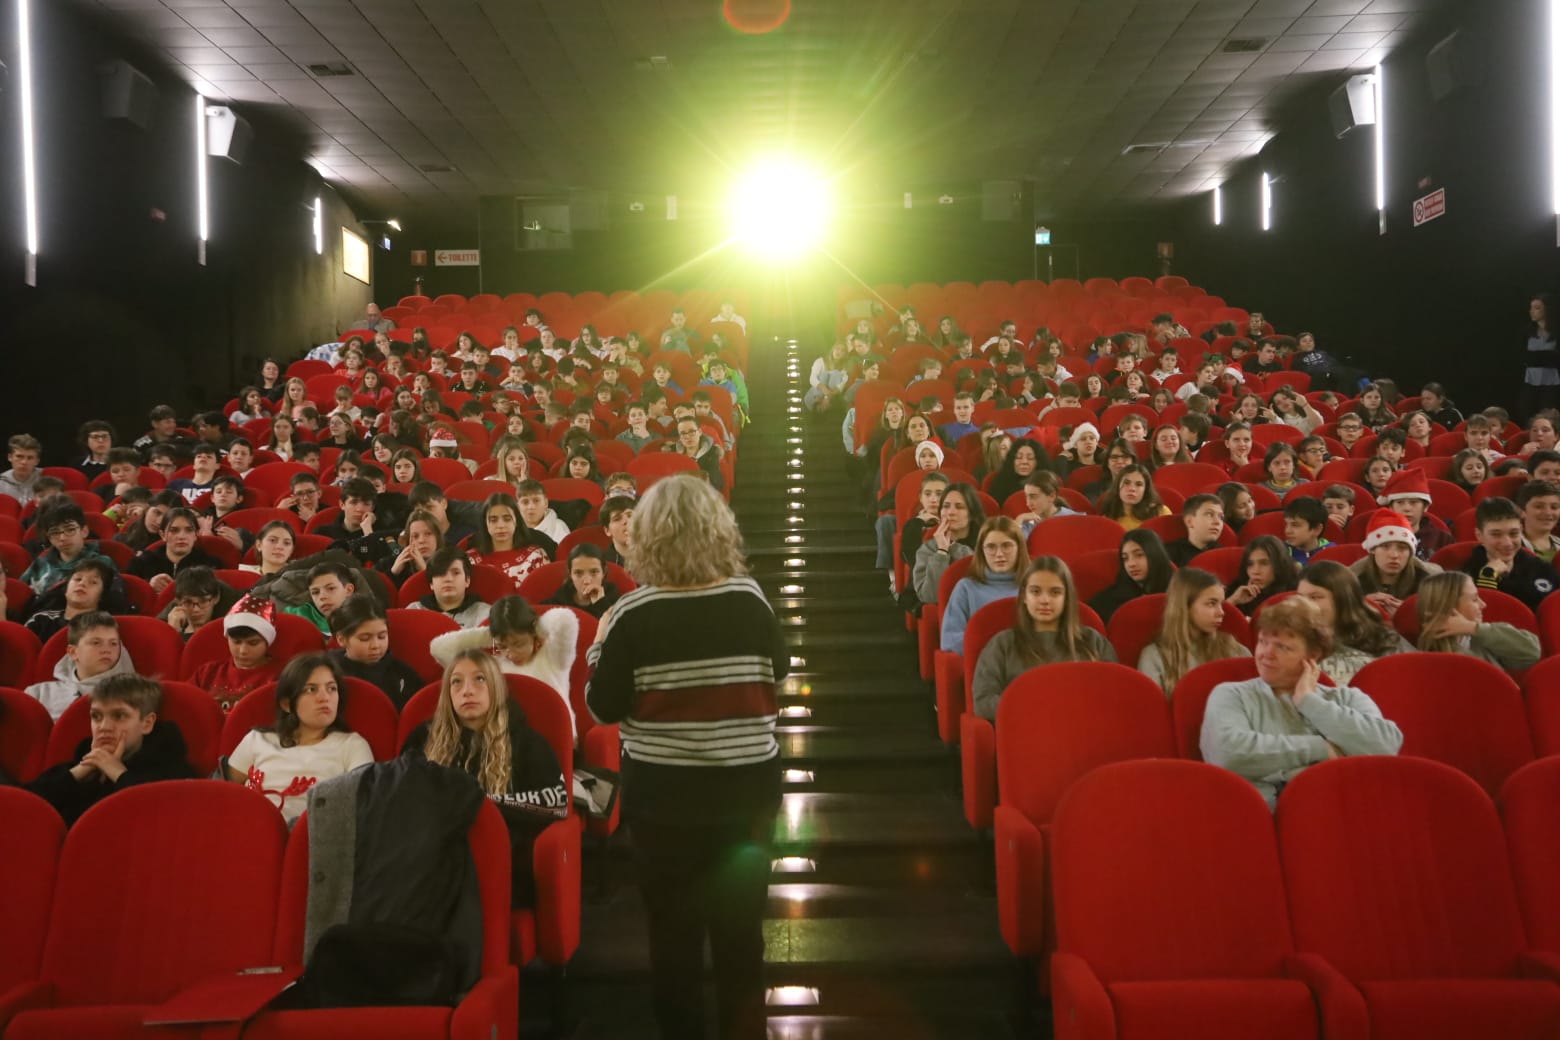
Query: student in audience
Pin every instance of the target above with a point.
(128, 745)
(1545, 466)
(538, 515)
(1499, 561)
(587, 587)
(64, 524)
(959, 519)
(1190, 634)
(330, 584)
(1238, 504)
(96, 438)
(1132, 500)
(961, 426)
(93, 585)
(1469, 469)
(1479, 432)
(1408, 492)
(1042, 500)
(1294, 410)
(1349, 428)
(1305, 528)
(355, 531)
(1372, 409)
(1266, 569)
(617, 514)
(1269, 729)
(309, 742)
(1167, 448)
(1082, 448)
(1539, 502)
(1025, 457)
(198, 596)
(303, 496)
(1145, 569)
(1047, 629)
(1237, 444)
(478, 728)
(1360, 636)
(703, 872)
(1391, 571)
(1433, 399)
(146, 528)
(362, 635)
(1338, 500)
(524, 642)
(1541, 432)
(449, 581)
(1282, 464)
(999, 557)
(179, 550)
(697, 445)
(1451, 620)
(830, 372)
(274, 546)
(92, 654)
(24, 452)
(250, 628)
(1203, 516)
(507, 542)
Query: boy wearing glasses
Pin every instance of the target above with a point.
(64, 524)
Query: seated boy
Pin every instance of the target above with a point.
(64, 524)
(90, 587)
(250, 628)
(1348, 430)
(124, 473)
(1408, 492)
(45, 490)
(308, 455)
(704, 411)
(1392, 445)
(1338, 500)
(241, 456)
(458, 520)
(538, 515)
(92, 654)
(303, 497)
(1305, 523)
(1203, 516)
(20, 481)
(1479, 432)
(355, 530)
(1193, 429)
(1539, 501)
(198, 596)
(1545, 465)
(329, 586)
(1500, 563)
(963, 412)
(620, 485)
(180, 549)
(129, 745)
(1313, 456)
(617, 513)
(449, 584)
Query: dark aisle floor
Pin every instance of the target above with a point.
(882, 921)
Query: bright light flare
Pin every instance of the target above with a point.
(1554, 104)
(1379, 83)
(1267, 202)
(780, 209)
(29, 167)
(1218, 205)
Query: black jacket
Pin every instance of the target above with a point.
(390, 674)
(147, 565)
(1530, 579)
(564, 597)
(162, 756)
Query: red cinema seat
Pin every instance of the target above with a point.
(1530, 805)
(550, 930)
(1055, 723)
(477, 490)
(1400, 887)
(489, 583)
(1071, 536)
(1222, 562)
(445, 472)
(294, 636)
(34, 834)
(490, 1009)
(1549, 625)
(1262, 523)
(189, 707)
(1189, 478)
(1541, 684)
(1189, 699)
(410, 633)
(24, 735)
(1170, 912)
(253, 519)
(1455, 709)
(19, 652)
(155, 648)
(370, 714)
(186, 923)
(592, 534)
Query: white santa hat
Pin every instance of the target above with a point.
(1386, 526)
(1078, 431)
(253, 612)
(931, 446)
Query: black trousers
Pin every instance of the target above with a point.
(706, 881)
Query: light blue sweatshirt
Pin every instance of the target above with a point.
(969, 596)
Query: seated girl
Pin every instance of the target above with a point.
(959, 519)
(477, 728)
(1082, 448)
(310, 741)
(1132, 500)
(274, 547)
(1190, 634)
(523, 643)
(1145, 569)
(1391, 571)
(1042, 501)
(1167, 448)
(362, 637)
(1359, 634)
(587, 587)
(1046, 629)
(1238, 504)
(1282, 463)
(421, 538)
(1266, 569)
(505, 542)
(1451, 621)
(1000, 556)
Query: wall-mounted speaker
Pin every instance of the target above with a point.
(1353, 104)
(127, 93)
(1456, 63)
(228, 134)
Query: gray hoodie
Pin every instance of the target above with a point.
(65, 688)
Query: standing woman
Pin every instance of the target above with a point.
(1541, 384)
(701, 808)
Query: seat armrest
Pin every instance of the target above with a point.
(948, 668)
(1080, 1007)
(1539, 964)
(556, 861)
(978, 765)
(24, 996)
(1344, 1015)
(224, 999)
(492, 1008)
(1021, 881)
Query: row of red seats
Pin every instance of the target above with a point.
(1389, 898)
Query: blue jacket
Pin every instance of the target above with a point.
(969, 596)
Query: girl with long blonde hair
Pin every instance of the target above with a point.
(1190, 634)
(1451, 621)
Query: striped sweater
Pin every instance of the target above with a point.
(690, 675)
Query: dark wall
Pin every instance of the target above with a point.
(123, 316)
(1447, 300)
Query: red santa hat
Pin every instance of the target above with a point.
(253, 612)
(1387, 525)
(1406, 483)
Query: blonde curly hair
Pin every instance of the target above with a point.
(489, 757)
(683, 534)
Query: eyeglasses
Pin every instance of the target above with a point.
(193, 601)
(62, 530)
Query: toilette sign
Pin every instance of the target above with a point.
(457, 258)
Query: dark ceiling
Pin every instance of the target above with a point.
(443, 101)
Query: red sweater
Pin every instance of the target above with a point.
(227, 683)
